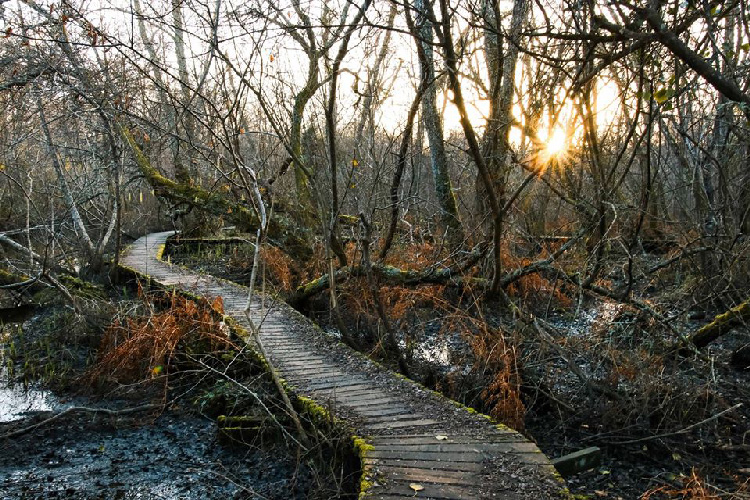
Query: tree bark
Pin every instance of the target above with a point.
(423, 35)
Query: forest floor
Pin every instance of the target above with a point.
(174, 455)
(171, 449)
(599, 373)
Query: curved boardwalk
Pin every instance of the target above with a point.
(423, 445)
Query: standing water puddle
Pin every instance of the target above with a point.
(16, 400)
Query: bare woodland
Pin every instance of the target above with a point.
(499, 168)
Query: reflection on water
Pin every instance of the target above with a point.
(436, 352)
(15, 401)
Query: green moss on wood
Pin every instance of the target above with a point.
(280, 228)
(721, 324)
(362, 447)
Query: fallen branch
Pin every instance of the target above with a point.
(681, 431)
(11, 281)
(541, 328)
(280, 229)
(20, 248)
(668, 262)
(542, 264)
(254, 395)
(81, 409)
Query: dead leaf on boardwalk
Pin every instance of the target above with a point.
(416, 487)
(440, 437)
(600, 493)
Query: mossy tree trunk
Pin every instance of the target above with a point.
(721, 324)
(280, 230)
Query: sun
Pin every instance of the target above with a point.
(552, 148)
(556, 145)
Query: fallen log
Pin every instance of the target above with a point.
(82, 409)
(387, 275)
(395, 276)
(281, 229)
(391, 275)
(12, 281)
(721, 324)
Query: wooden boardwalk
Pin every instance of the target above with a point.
(422, 444)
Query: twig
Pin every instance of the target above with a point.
(255, 396)
(681, 431)
(245, 489)
(541, 328)
(80, 409)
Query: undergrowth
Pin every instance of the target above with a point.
(568, 367)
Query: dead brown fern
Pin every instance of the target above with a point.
(495, 357)
(694, 487)
(142, 347)
(280, 267)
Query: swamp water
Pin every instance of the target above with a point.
(17, 400)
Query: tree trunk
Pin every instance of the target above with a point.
(434, 126)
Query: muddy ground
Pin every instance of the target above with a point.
(170, 449)
(173, 455)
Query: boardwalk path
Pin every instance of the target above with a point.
(472, 458)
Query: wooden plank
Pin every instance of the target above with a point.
(393, 418)
(399, 425)
(302, 377)
(442, 446)
(356, 384)
(427, 456)
(333, 386)
(364, 402)
(428, 475)
(378, 412)
(364, 395)
(434, 491)
(294, 356)
(312, 362)
(313, 372)
(500, 437)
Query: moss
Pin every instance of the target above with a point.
(364, 487)
(8, 278)
(721, 324)
(362, 447)
(238, 421)
(349, 220)
(84, 289)
(160, 251)
(279, 228)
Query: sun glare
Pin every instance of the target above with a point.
(552, 148)
(556, 144)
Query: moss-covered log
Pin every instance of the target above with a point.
(390, 275)
(387, 275)
(281, 229)
(12, 281)
(721, 324)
